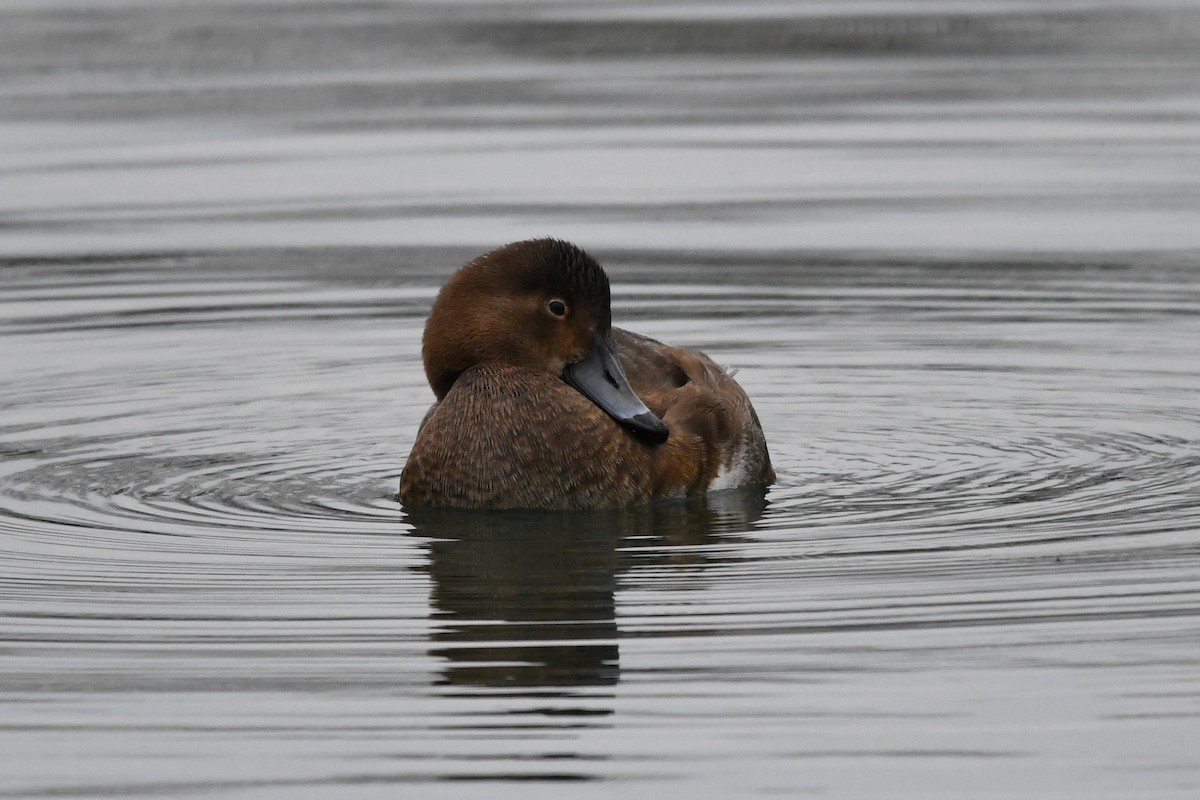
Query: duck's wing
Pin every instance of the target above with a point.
(653, 368)
(657, 372)
(716, 440)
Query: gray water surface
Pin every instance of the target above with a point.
(951, 249)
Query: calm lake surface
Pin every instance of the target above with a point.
(952, 249)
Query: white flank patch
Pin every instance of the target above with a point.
(732, 476)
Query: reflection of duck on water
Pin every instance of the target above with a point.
(527, 599)
(523, 600)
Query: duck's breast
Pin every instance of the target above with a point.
(506, 437)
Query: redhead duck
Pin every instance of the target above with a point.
(541, 403)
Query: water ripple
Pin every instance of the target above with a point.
(994, 467)
(949, 247)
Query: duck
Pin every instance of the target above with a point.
(542, 404)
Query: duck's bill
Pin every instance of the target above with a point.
(599, 378)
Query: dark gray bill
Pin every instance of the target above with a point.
(599, 378)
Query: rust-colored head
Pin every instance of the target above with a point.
(538, 304)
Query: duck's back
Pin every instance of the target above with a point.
(717, 441)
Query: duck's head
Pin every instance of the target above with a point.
(541, 304)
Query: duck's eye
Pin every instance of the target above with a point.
(557, 307)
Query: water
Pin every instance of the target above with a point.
(950, 247)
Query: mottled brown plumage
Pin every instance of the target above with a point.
(508, 431)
